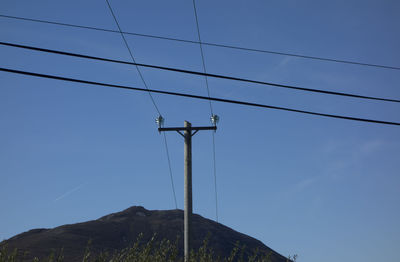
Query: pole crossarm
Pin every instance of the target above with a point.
(195, 129)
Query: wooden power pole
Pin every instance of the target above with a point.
(188, 132)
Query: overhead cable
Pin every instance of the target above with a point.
(132, 57)
(201, 73)
(211, 110)
(209, 44)
(202, 54)
(197, 97)
(152, 99)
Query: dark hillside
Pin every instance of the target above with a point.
(117, 231)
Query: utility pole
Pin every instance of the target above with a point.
(188, 132)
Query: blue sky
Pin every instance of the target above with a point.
(325, 189)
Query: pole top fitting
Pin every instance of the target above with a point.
(214, 119)
(160, 121)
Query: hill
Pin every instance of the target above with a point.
(117, 231)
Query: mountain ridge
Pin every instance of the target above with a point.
(119, 230)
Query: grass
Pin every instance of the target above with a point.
(152, 251)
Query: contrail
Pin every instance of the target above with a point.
(69, 192)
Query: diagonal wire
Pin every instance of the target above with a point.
(215, 177)
(211, 109)
(133, 58)
(170, 170)
(152, 100)
(202, 54)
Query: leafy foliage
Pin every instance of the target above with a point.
(152, 251)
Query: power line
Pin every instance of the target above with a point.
(201, 73)
(170, 170)
(198, 97)
(132, 57)
(202, 55)
(211, 109)
(152, 100)
(215, 176)
(210, 44)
